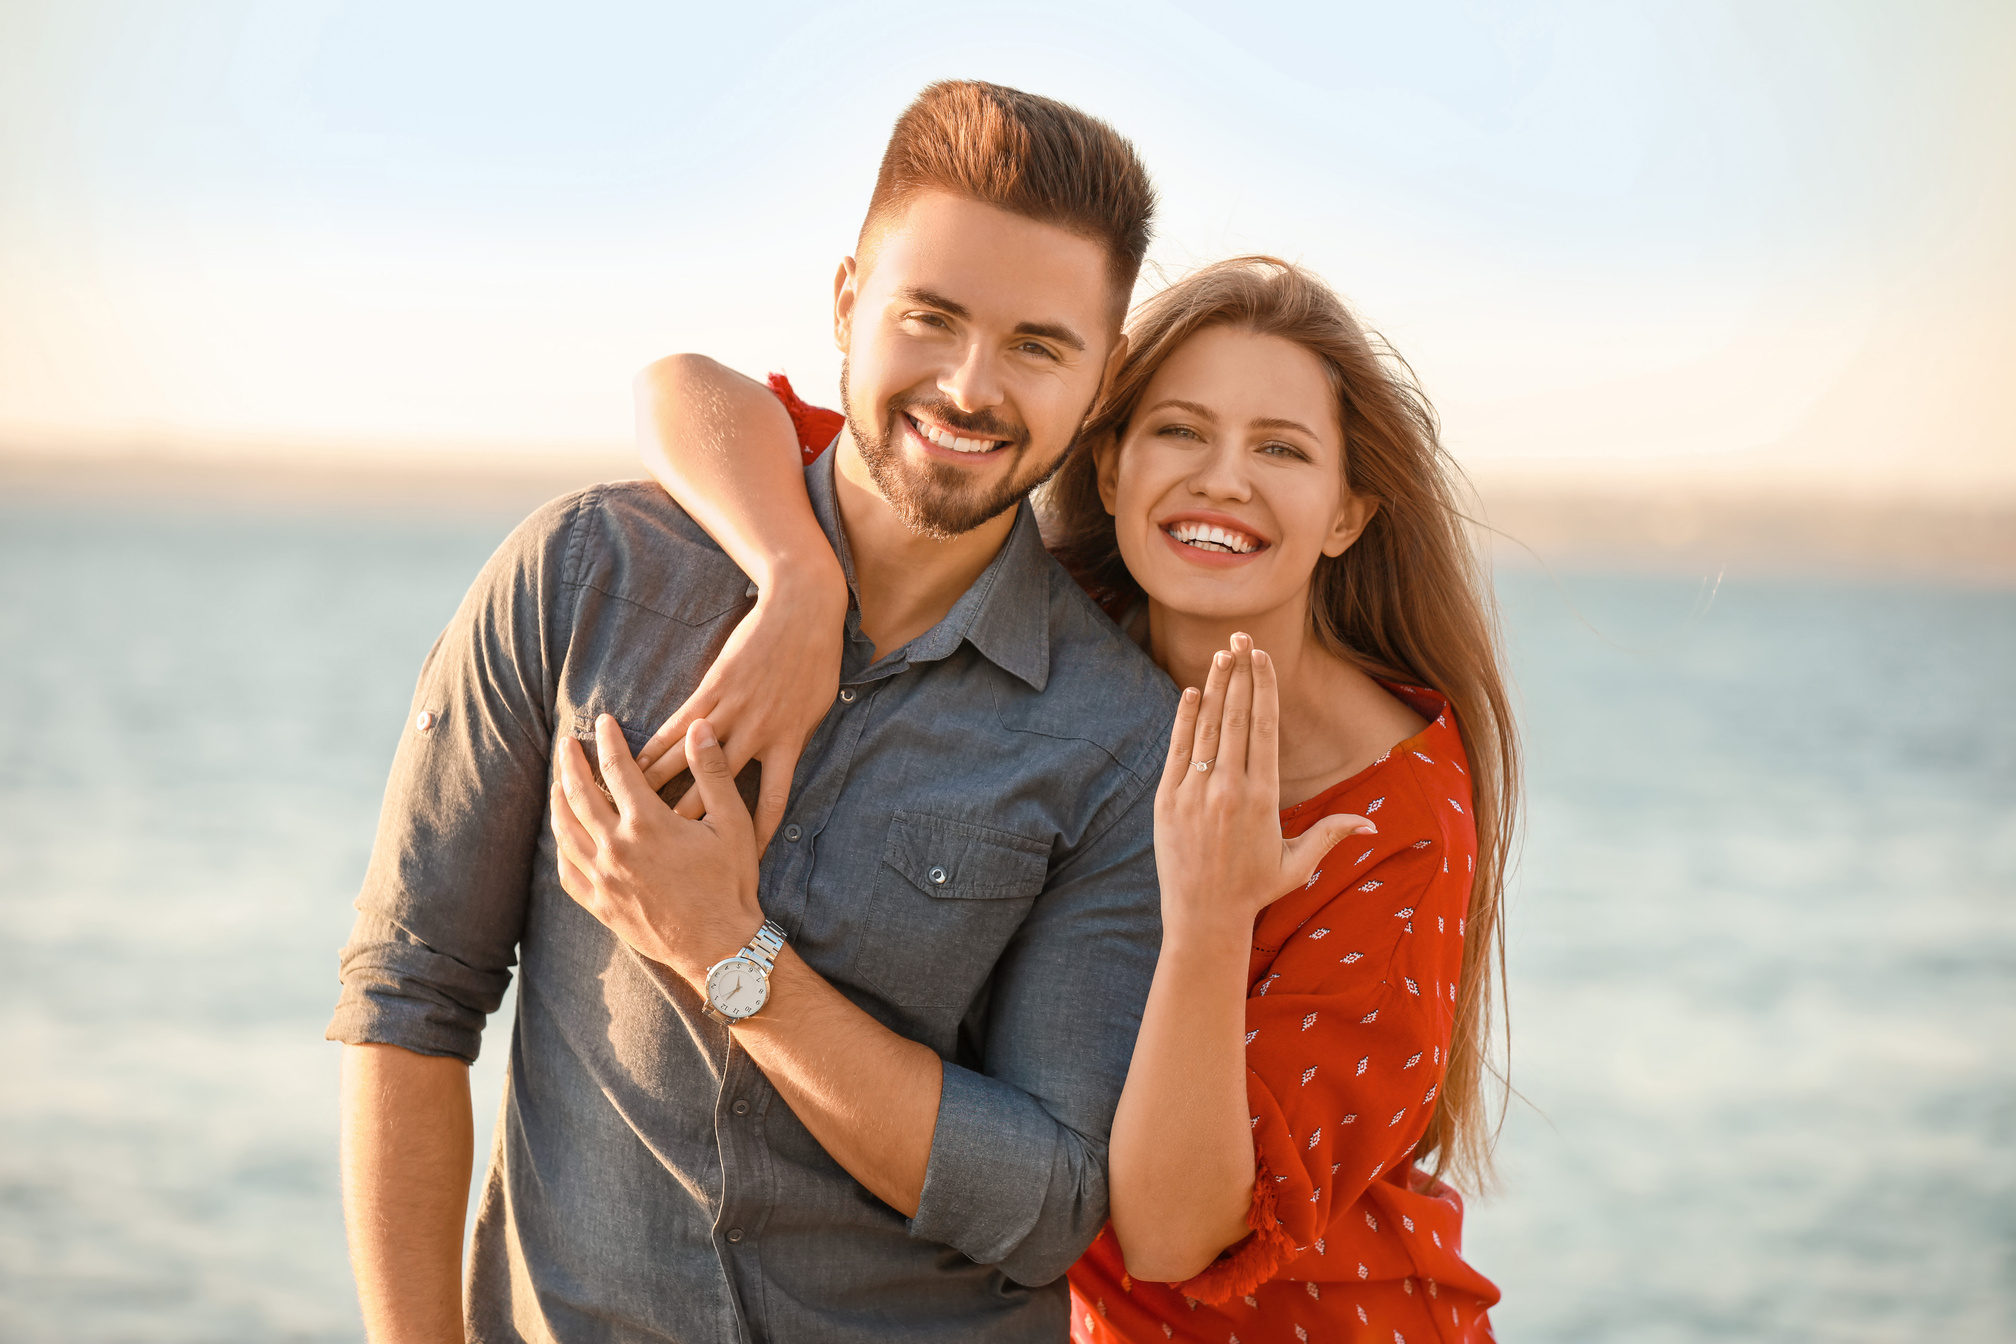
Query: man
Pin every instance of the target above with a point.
(949, 944)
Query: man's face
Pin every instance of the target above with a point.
(975, 342)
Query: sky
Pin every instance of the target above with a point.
(1608, 235)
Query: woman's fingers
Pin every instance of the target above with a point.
(714, 781)
(1238, 710)
(1301, 855)
(1182, 733)
(1211, 712)
(1263, 742)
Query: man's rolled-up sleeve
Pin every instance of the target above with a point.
(1017, 1175)
(443, 901)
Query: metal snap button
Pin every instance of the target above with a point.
(741, 1108)
(734, 1234)
(792, 833)
(847, 696)
(425, 720)
(938, 876)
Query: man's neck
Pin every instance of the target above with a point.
(906, 582)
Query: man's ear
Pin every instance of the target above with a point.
(1106, 461)
(845, 291)
(1353, 515)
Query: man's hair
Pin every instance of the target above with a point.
(1031, 156)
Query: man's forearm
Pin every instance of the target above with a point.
(407, 1149)
(869, 1096)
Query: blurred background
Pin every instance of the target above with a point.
(303, 305)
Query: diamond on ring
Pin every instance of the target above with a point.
(1203, 765)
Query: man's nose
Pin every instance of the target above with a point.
(974, 384)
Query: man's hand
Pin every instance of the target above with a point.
(765, 694)
(680, 892)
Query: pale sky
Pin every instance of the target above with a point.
(1604, 232)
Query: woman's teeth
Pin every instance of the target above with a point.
(1206, 537)
(947, 439)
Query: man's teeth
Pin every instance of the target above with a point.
(946, 439)
(1206, 537)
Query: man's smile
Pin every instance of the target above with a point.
(938, 436)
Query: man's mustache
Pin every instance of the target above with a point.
(968, 426)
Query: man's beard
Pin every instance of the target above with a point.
(939, 501)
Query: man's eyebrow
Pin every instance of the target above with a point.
(931, 298)
(1049, 331)
(1052, 331)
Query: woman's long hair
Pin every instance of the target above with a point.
(1409, 601)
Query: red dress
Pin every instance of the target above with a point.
(1351, 1002)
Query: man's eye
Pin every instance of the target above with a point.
(928, 319)
(1038, 349)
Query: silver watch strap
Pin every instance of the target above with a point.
(764, 947)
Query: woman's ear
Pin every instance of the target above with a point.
(1353, 514)
(1106, 460)
(844, 293)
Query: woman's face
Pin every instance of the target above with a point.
(1229, 482)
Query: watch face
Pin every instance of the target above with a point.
(737, 987)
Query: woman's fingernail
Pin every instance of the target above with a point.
(1189, 694)
(1221, 659)
(703, 734)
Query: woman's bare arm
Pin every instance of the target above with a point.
(723, 446)
(1181, 1161)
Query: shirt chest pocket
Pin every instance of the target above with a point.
(948, 897)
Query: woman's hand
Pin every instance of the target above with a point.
(1219, 851)
(765, 694)
(682, 893)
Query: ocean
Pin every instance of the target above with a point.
(1762, 949)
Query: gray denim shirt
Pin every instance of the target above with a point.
(967, 856)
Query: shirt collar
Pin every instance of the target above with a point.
(1005, 614)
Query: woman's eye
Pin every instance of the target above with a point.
(1284, 450)
(1176, 432)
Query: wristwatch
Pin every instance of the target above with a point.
(739, 986)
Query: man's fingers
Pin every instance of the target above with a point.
(667, 765)
(1181, 734)
(712, 778)
(571, 840)
(1238, 719)
(619, 768)
(1263, 743)
(584, 797)
(779, 767)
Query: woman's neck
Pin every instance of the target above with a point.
(1335, 720)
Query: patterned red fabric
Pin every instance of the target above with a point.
(816, 425)
(1351, 1002)
(1350, 1005)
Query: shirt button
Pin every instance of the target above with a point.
(847, 696)
(792, 833)
(425, 720)
(938, 876)
(741, 1108)
(734, 1234)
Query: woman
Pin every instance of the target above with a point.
(1264, 504)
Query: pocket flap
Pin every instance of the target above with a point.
(957, 859)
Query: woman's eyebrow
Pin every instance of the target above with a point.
(1201, 412)
(1269, 422)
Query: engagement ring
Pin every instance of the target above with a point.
(1203, 765)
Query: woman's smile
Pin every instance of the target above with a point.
(1213, 539)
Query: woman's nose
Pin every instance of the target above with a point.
(1222, 475)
